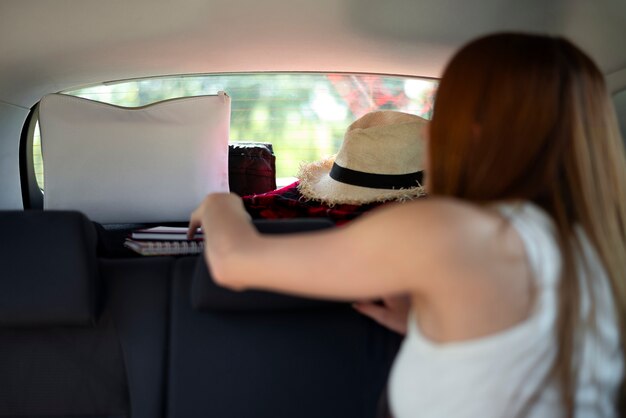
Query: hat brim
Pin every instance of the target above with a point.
(316, 184)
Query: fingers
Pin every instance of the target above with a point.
(215, 203)
(195, 221)
(191, 231)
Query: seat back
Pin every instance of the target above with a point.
(259, 354)
(138, 299)
(59, 350)
(87, 337)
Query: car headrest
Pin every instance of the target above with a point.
(206, 295)
(49, 269)
(124, 165)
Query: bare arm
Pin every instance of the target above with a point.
(398, 249)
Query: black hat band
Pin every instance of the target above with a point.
(375, 181)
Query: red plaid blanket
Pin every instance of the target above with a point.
(287, 202)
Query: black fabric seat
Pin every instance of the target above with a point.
(83, 336)
(62, 371)
(59, 350)
(308, 360)
(138, 298)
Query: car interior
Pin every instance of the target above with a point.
(122, 115)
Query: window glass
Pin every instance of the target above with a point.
(37, 160)
(304, 116)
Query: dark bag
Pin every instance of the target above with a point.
(251, 168)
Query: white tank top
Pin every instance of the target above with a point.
(506, 374)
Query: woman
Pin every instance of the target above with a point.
(516, 264)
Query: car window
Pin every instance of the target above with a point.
(303, 115)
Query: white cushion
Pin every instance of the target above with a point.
(122, 165)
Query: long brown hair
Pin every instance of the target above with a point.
(522, 116)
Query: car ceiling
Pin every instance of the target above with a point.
(52, 45)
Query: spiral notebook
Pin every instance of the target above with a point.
(166, 233)
(163, 240)
(165, 247)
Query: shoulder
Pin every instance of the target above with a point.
(437, 208)
(453, 237)
(437, 218)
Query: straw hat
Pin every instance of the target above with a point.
(381, 158)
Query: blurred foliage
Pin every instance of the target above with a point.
(303, 115)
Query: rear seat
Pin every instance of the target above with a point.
(138, 298)
(259, 354)
(59, 348)
(154, 343)
(309, 361)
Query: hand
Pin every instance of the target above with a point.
(215, 202)
(392, 314)
(226, 226)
